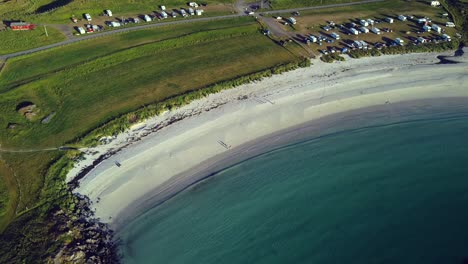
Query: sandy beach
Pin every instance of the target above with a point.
(227, 127)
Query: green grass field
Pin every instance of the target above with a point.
(287, 4)
(89, 83)
(13, 41)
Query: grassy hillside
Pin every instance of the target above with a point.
(92, 82)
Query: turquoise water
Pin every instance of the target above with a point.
(391, 194)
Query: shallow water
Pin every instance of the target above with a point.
(388, 194)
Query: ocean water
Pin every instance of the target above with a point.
(389, 194)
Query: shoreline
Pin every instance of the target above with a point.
(341, 123)
(283, 101)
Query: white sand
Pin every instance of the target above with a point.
(150, 166)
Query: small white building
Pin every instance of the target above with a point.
(335, 35)
(108, 12)
(449, 24)
(354, 31)
(399, 41)
(436, 28)
(389, 20)
(292, 20)
(435, 3)
(364, 29)
(364, 23)
(375, 30)
(426, 28)
(147, 18)
(402, 18)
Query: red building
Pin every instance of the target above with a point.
(21, 26)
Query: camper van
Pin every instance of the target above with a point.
(375, 30)
(364, 30)
(87, 17)
(364, 23)
(335, 36)
(80, 30)
(147, 18)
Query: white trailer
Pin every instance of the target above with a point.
(426, 28)
(191, 12)
(389, 20)
(163, 8)
(183, 12)
(81, 30)
(335, 35)
(147, 18)
(354, 31)
(370, 21)
(164, 14)
(292, 20)
(364, 29)
(436, 28)
(399, 41)
(421, 20)
(108, 12)
(402, 18)
(199, 12)
(364, 23)
(450, 24)
(114, 24)
(446, 37)
(87, 17)
(375, 30)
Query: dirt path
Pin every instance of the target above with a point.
(65, 29)
(61, 148)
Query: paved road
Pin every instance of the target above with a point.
(239, 5)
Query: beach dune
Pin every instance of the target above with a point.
(165, 162)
